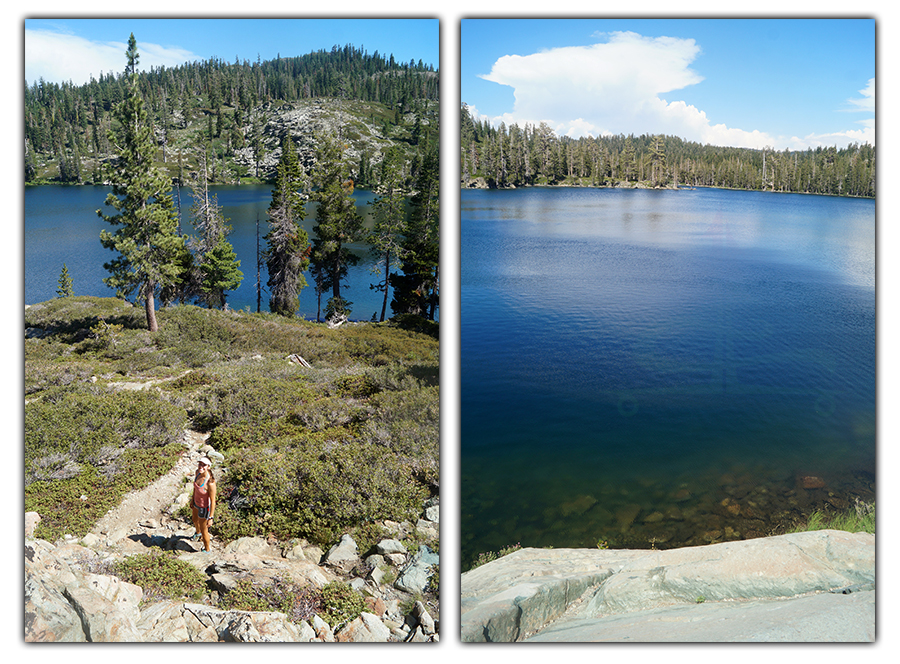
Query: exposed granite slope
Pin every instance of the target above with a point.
(768, 589)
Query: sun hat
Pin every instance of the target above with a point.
(205, 461)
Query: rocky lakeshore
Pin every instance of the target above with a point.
(801, 587)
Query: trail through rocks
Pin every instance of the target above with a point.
(150, 511)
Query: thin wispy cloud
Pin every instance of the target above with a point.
(59, 57)
(628, 84)
(865, 103)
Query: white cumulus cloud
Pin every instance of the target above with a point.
(618, 87)
(58, 57)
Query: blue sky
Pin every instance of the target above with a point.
(76, 48)
(786, 83)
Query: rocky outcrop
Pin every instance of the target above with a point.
(305, 121)
(587, 595)
(70, 596)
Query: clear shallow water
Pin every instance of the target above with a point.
(62, 226)
(659, 367)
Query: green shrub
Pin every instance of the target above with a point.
(244, 434)
(367, 535)
(297, 602)
(106, 336)
(434, 581)
(74, 504)
(69, 316)
(408, 424)
(489, 556)
(46, 366)
(357, 386)
(192, 380)
(341, 604)
(326, 413)
(86, 424)
(232, 401)
(307, 487)
(162, 576)
(414, 323)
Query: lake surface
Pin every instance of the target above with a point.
(662, 368)
(62, 226)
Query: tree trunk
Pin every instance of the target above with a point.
(387, 274)
(336, 281)
(434, 296)
(150, 308)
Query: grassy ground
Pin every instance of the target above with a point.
(312, 452)
(859, 518)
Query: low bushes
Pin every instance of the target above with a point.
(73, 504)
(312, 451)
(231, 401)
(297, 602)
(342, 603)
(162, 576)
(307, 486)
(336, 603)
(85, 425)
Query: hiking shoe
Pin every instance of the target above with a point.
(195, 537)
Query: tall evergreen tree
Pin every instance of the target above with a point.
(657, 161)
(218, 269)
(287, 256)
(416, 289)
(337, 221)
(146, 235)
(387, 235)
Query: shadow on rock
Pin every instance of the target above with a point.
(168, 543)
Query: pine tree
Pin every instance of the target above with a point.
(220, 272)
(416, 289)
(146, 236)
(65, 283)
(337, 222)
(287, 256)
(218, 269)
(657, 161)
(387, 235)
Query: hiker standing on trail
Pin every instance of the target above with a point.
(203, 503)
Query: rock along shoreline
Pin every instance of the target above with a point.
(801, 587)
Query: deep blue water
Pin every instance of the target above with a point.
(661, 367)
(62, 226)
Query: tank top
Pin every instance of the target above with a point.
(201, 493)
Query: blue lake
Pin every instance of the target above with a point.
(662, 368)
(62, 226)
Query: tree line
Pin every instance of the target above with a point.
(153, 260)
(516, 156)
(70, 123)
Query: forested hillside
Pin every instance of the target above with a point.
(232, 112)
(317, 126)
(515, 156)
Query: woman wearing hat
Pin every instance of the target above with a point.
(204, 501)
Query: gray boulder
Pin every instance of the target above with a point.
(164, 622)
(367, 628)
(386, 546)
(344, 555)
(32, 519)
(49, 618)
(415, 577)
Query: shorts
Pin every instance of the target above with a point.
(202, 512)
